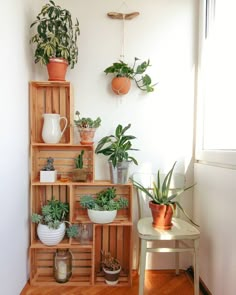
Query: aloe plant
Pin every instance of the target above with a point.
(161, 193)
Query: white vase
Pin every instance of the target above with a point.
(97, 216)
(50, 236)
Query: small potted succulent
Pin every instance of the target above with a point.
(86, 127)
(162, 200)
(80, 173)
(103, 207)
(123, 74)
(56, 40)
(48, 172)
(111, 268)
(117, 147)
(51, 223)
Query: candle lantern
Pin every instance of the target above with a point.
(62, 265)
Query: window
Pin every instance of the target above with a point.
(216, 111)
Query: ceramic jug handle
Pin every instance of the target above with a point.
(66, 123)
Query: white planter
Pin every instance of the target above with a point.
(101, 216)
(48, 176)
(49, 236)
(112, 276)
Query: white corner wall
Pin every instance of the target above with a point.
(165, 32)
(214, 209)
(14, 147)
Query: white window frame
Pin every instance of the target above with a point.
(223, 158)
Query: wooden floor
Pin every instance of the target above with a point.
(161, 282)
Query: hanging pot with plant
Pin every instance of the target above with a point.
(56, 40)
(123, 74)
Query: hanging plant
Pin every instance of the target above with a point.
(123, 74)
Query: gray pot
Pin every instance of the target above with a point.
(120, 173)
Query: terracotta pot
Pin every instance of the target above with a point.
(162, 215)
(87, 135)
(121, 85)
(57, 68)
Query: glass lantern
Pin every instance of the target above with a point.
(62, 265)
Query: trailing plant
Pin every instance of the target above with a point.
(56, 35)
(117, 146)
(79, 160)
(104, 201)
(162, 193)
(53, 214)
(87, 122)
(49, 166)
(135, 72)
(109, 262)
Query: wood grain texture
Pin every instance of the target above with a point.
(159, 282)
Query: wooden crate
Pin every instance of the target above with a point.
(50, 97)
(39, 197)
(42, 267)
(63, 159)
(117, 240)
(80, 214)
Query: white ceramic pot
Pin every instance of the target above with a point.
(49, 236)
(112, 276)
(101, 216)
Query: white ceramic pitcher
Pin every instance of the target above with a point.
(51, 128)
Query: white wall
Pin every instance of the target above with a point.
(14, 148)
(214, 203)
(162, 121)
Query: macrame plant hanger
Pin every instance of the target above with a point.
(123, 17)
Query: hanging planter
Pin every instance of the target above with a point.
(120, 85)
(124, 74)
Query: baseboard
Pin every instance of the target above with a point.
(202, 286)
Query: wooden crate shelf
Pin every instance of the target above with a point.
(50, 97)
(63, 159)
(116, 237)
(42, 267)
(80, 214)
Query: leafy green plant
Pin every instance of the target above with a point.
(135, 72)
(104, 201)
(56, 35)
(87, 122)
(109, 262)
(53, 214)
(117, 146)
(162, 193)
(79, 160)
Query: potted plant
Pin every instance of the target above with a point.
(87, 128)
(48, 173)
(79, 173)
(117, 148)
(103, 207)
(56, 40)
(162, 200)
(111, 268)
(123, 74)
(51, 223)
